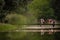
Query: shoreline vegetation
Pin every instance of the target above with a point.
(15, 14)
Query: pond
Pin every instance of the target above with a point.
(28, 36)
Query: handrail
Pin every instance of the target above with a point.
(39, 24)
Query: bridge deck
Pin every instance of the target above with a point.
(38, 28)
(40, 31)
(41, 28)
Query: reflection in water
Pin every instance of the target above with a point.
(28, 36)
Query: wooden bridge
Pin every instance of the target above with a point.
(42, 28)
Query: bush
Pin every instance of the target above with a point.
(16, 19)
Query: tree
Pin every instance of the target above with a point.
(55, 5)
(11, 5)
(41, 8)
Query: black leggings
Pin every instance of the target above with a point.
(53, 25)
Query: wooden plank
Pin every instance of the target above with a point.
(38, 31)
(40, 27)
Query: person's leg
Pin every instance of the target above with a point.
(53, 25)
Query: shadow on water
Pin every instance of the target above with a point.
(28, 36)
(3, 35)
(57, 34)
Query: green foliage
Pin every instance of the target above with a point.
(55, 5)
(16, 19)
(36, 9)
(41, 8)
(6, 6)
(7, 27)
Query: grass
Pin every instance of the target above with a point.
(7, 27)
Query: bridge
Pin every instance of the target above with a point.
(42, 28)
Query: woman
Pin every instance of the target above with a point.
(53, 23)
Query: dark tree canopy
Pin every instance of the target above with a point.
(10, 5)
(56, 7)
